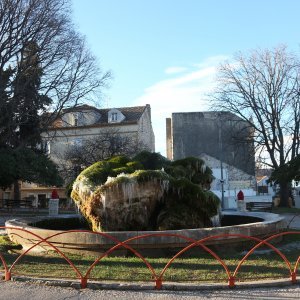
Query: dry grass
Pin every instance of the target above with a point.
(200, 268)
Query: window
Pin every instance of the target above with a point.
(114, 117)
(44, 146)
(75, 119)
(78, 142)
(48, 148)
(6, 195)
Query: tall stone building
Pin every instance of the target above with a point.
(220, 135)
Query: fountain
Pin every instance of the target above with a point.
(122, 200)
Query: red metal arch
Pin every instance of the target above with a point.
(158, 278)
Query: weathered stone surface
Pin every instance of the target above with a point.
(124, 206)
(82, 241)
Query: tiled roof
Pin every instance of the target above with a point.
(263, 172)
(132, 114)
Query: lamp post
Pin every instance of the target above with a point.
(221, 160)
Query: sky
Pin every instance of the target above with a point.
(166, 52)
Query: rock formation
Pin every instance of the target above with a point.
(117, 195)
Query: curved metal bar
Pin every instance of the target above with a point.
(84, 278)
(157, 279)
(4, 263)
(265, 242)
(197, 243)
(124, 244)
(136, 253)
(296, 265)
(41, 241)
(121, 244)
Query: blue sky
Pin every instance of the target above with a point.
(165, 52)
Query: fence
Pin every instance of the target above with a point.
(158, 279)
(34, 204)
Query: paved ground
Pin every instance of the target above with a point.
(293, 220)
(25, 291)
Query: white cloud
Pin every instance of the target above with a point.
(212, 61)
(183, 93)
(175, 70)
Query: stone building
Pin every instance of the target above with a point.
(216, 137)
(87, 122)
(74, 126)
(221, 135)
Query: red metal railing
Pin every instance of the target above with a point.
(157, 278)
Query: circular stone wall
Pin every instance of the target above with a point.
(99, 243)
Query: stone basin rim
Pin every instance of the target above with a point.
(267, 218)
(85, 241)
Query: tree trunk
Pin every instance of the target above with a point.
(17, 193)
(284, 194)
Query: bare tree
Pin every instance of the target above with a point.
(109, 143)
(263, 89)
(69, 72)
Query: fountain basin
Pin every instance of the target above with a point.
(76, 242)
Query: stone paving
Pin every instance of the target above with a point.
(2, 223)
(293, 220)
(25, 291)
(30, 291)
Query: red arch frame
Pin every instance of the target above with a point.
(158, 278)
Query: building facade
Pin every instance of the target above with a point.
(221, 135)
(76, 126)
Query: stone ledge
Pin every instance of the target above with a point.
(85, 241)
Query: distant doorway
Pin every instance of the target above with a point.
(42, 201)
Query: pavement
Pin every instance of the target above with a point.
(25, 291)
(293, 220)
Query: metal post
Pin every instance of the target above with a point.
(221, 161)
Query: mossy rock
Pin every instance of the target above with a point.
(135, 165)
(176, 192)
(180, 216)
(152, 160)
(118, 161)
(97, 173)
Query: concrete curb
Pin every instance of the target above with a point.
(141, 286)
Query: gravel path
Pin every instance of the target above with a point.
(27, 291)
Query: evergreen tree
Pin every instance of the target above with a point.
(21, 111)
(28, 102)
(6, 110)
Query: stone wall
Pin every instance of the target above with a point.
(220, 135)
(145, 130)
